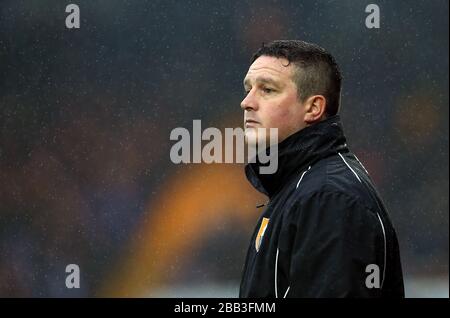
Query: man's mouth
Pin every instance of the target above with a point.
(251, 123)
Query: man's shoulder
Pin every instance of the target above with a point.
(330, 174)
(328, 177)
(328, 202)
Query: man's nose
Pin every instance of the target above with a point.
(249, 102)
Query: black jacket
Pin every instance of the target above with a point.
(324, 224)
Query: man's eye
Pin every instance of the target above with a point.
(268, 90)
(246, 92)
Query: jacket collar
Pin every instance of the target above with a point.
(299, 151)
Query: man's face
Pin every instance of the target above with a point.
(271, 99)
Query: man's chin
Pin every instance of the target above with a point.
(251, 137)
(257, 138)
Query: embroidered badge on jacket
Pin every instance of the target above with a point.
(262, 230)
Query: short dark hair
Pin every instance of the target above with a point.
(317, 70)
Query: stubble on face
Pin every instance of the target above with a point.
(271, 100)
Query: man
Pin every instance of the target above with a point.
(325, 231)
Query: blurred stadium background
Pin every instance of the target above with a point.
(85, 173)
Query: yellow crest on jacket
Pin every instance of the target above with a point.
(262, 230)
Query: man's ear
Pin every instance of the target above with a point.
(315, 108)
